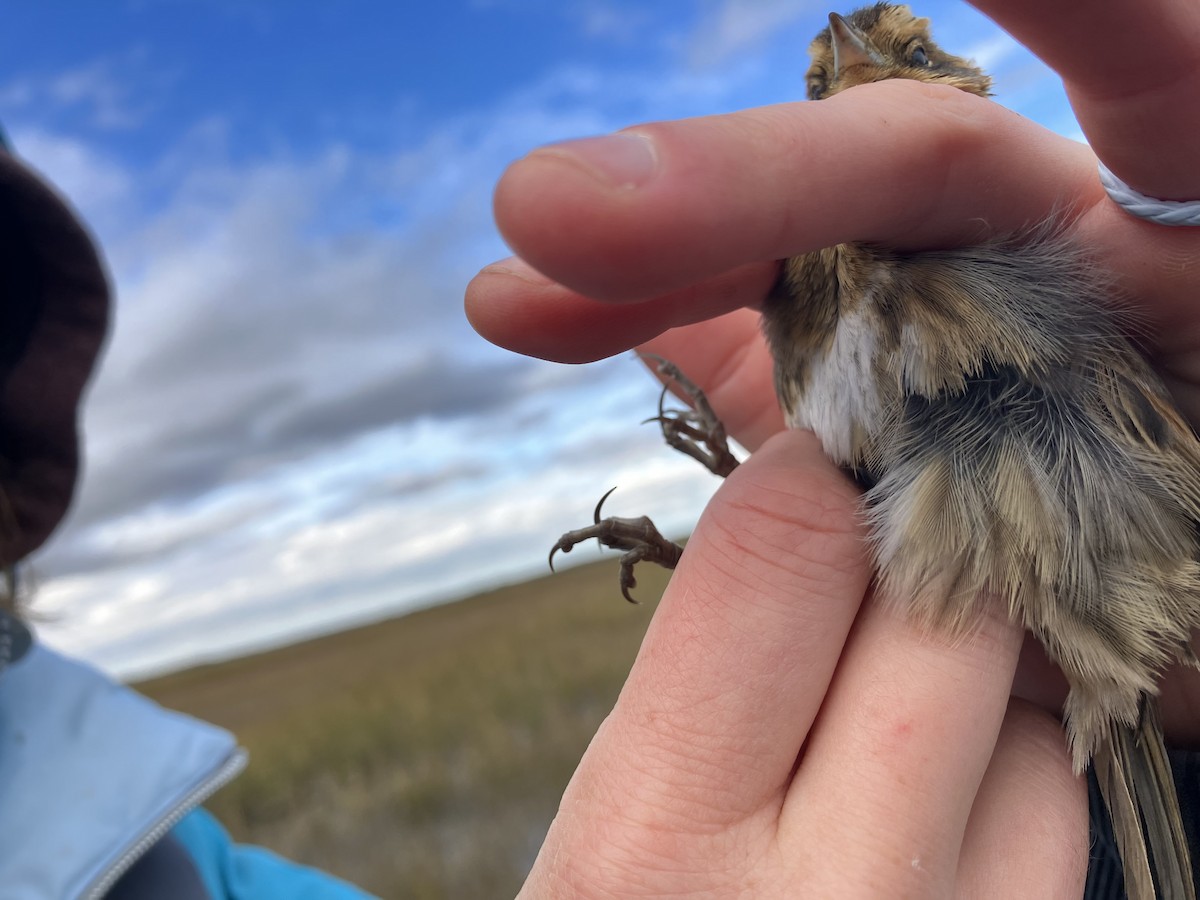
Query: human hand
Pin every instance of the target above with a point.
(775, 740)
(783, 180)
(678, 270)
(685, 781)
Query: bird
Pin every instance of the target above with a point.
(1012, 444)
(1013, 447)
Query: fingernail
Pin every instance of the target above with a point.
(624, 160)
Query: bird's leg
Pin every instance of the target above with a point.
(638, 537)
(696, 432)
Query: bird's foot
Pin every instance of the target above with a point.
(696, 432)
(639, 538)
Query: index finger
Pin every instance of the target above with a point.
(632, 216)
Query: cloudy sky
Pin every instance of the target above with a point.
(294, 428)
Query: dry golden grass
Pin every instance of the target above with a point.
(424, 756)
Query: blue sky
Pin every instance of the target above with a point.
(294, 428)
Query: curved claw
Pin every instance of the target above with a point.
(596, 513)
(571, 538)
(662, 410)
(696, 432)
(639, 540)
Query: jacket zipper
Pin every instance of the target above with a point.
(228, 770)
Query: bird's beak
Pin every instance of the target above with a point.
(850, 47)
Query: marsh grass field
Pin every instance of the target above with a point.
(424, 756)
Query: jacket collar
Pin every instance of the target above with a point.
(91, 775)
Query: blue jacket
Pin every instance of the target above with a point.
(99, 796)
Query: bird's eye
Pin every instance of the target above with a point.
(919, 57)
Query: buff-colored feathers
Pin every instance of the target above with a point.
(1014, 447)
(880, 42)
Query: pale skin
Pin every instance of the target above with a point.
(784, 733)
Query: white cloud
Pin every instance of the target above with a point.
(107, 93)
(93, 182)
(737, 27)
(96, 87)
(993, 51)
(614, 22)
(293, 414)
(295, 427)
(378, 554)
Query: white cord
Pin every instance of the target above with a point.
(1164, 212)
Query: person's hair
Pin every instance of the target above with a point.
(12, 596)
(12, 599)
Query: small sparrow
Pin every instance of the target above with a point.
(1013, 446)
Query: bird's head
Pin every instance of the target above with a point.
(880, 42)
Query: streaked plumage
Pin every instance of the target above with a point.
(1014, 446)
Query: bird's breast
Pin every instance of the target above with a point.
(840, 400)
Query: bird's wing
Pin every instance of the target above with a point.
(1139, 406)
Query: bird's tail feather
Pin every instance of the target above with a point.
(1134, 775)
